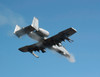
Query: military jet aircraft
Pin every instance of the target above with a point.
(41, 35)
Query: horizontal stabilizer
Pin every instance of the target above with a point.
(35, 23)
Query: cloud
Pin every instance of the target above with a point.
(8, 17)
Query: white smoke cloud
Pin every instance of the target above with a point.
(8, 17)
(63, 52)
(71, 58)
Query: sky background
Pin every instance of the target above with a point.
(54, 16)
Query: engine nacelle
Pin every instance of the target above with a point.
(43, 32)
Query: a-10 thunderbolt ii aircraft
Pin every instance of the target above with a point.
(39, 34)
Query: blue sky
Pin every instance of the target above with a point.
(54, 16)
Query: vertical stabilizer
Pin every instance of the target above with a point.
(17, 28)
(35, 23)
(19, 31)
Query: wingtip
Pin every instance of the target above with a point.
(74, 29)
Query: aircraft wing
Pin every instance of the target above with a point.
(52, 42)
(33, 47)
(61, 36)
(48, 43)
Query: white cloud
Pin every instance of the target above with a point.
(8, 17)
